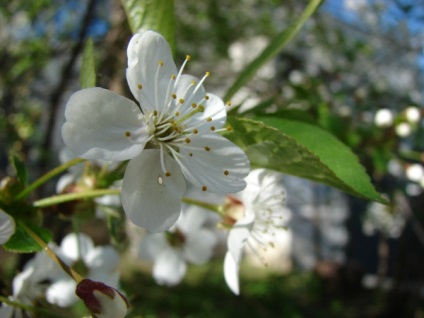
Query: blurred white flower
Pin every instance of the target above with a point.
(253, 216)
(414, 172)
(171, 137)
(383, 218)
(403, 129)
(383, 118)
(7, 227)
(186, 242)
(412, 114)
(99, 263)
(30, 284)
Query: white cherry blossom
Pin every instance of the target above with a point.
(7, 227)
(187, 242)
(253, 215)
(171, 136)
(99, 262)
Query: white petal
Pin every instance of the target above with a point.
(104, 258)
(169, 268)
(145, 52)
(199, 246)
(62, 293)
(231, 269)
(151, 199)
(98, 122)
(213, 117)
(7, 227)
(238, 236)
(152, 245)
(192, 218)
(222, 169)
(76, 246)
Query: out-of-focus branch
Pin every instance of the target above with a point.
(66, 73)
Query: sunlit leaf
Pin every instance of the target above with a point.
(22, 242)
(302, 150)
(156, 15)
(88, 71)
(20, 169)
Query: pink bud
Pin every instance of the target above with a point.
(102, 300)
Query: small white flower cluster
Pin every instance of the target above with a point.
(41, 277)
(252, 216)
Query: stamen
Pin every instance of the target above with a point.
(226, 172)
(204, 188)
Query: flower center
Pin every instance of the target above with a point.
(176, 239)
(234, 210)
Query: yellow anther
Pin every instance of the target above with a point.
(177, 113)
(226, 172)
(207, 97)
(155, 113)
(187, 140)
(173, 77)
(194, 105)
(204, 188)
(181, 100)
(168, 174)
(212, 128)
(160, 63)
(139, 86)
(174, 96)
(207, 148)
(229, 128)
(228, 103)
(209, 119)
(208, 74)
(190, 154)
(127, 134)
(195, 131)
(193, 83)
(188, 57)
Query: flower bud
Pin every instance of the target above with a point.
(102, 300)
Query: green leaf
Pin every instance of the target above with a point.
(20, 169)
(274, 47)
(22, 242)
(303, 150)
(156, 15)
(88, 71)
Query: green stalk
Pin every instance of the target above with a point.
(211, 207)
(43, 179)
(275, 46)
(34, 309)
(61, 198)
(73, 274)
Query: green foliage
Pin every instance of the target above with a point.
(275, 46)
(20, 169)
(152, 15)
(302, 150)
(88, 71)
(22, 242)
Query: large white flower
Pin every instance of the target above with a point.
(254, 216)
(188, 241)
(100, 263)
(171, 137)
(7, 227)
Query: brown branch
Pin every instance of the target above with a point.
(57, 94)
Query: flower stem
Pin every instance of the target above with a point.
(43, 179)
(73, 274)
(212, 207)
(34, 309)
(56, 199)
